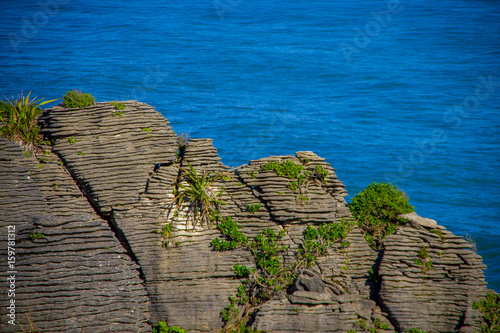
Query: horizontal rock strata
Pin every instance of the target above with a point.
(118, 248)
(71, 272)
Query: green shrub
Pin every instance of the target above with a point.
(19, 121)
(377, 208)
(118, 105)
(286, 168)
(77, 99)
(317, 240)
(271, 274)
(234, 238)
(489, 307)
(162, 327)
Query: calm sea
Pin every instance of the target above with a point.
(404, 91)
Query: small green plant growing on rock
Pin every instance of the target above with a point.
(318, 239)
(321, 173)
(162, 327)
(253, 208)
(202, 200)
(166, 233)
(118, 105)
(489, 307)
(36, 235)
(233, 237)
(424, 260)
(81, 153)
(77, 99)
(286, 168)
(19, 122)
(377, 208)
(416, 330)
(146, 129)
(438, 232)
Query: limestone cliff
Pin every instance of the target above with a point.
(97, 264)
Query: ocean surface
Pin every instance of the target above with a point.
(403, 91)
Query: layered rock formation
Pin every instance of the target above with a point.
(91, 255)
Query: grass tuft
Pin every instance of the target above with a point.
(19, 121)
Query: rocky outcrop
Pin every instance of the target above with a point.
(436, 297)
(70, 271)
(118, 250)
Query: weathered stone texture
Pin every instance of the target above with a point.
(104, 194)
(110, 155)
(438, 299)
(76, 276)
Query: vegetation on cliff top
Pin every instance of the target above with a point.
(376, 209)
(77, 99)
(19, 121)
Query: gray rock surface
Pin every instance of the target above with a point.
(76, 277)
(423, 221)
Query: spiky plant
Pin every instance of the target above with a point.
(19, 121)
(202, 201)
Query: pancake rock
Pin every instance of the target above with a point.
(103, 243)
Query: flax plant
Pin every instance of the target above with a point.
(202, 201)
(19, 121)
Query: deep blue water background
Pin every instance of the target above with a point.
(369, 85)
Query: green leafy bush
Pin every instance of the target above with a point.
(377, 208)
(118, 105)
(77, 99)
(162, 327)
(286, 168)
(253, 208)
(489, 307)
(270, 275)
(19, 121)
(317, 240)
(230, 230)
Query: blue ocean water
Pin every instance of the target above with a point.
(406, 91)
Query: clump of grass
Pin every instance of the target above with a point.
(377, 208)
(19, 121)
(203, 201)
(77, 99)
